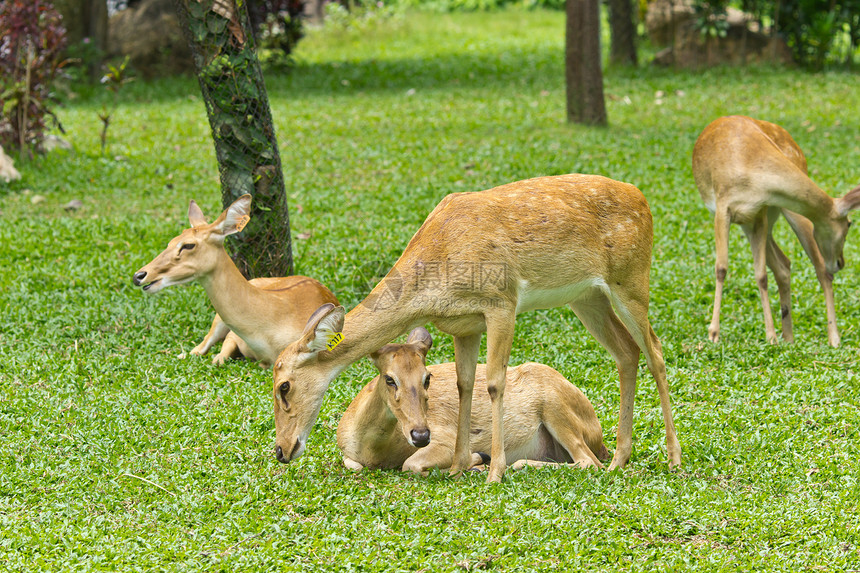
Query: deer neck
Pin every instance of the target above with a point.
(375, 415)
(234, 298)
(367, 328)
(810, 201)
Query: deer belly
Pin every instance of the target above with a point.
(260, 349)
(531, 298)
(540, 446)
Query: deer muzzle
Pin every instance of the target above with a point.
(419, 437)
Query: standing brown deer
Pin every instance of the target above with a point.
(258, 318)
(749, 172)
(407, 416)
(477, 261)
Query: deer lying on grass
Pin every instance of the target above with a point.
(258, 318)
(749, 172)
(477, 261)
(407, 416)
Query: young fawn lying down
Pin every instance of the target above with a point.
(407, 416)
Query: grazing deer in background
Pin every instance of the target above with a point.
(477, 261)
(407, 416)
(749, 172)
(258, 318)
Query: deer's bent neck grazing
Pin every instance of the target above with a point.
(751, 172)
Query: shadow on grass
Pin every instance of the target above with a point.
(538, 69)
(541, 69)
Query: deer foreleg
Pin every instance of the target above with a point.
(217, 332)
(500, 337)
(233, 347)
(803, 229)
(352, 464)
(466, 357)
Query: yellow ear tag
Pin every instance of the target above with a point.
(333, 340)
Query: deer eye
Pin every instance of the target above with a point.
(390, 381)
(284, 388)
(186, 247)
(427, 381)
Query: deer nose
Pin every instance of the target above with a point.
(138, 277)
(840, 263)
(294, 453)
(420, 438)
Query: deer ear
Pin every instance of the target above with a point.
(323, 330)
(195, 215)
(421, 338)
(849, 202)
(234, 218)
(375, 356)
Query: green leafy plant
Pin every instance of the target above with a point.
(32, 39)
(114, 79)
(278, 28)
(83, 56)
(810, 27)
(710, 18)
(358, 16)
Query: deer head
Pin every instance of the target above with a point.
(403, 382)
(195, 252)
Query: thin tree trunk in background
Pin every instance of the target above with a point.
(622, 31)
(583, 73)
(94, 19)
(774, 30)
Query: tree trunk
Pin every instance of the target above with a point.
(86, 19)
(95, 22)
(583, 73)
(219, 34)
(622, 30)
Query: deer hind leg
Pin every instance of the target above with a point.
(563, 425)
(600, 320)
(802, 227)
(217, 332)
(781, 268)
(722, 222)
(466, 350)
(632, 306)
(500, 337)
(757, 233)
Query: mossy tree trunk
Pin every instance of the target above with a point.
(231, 79)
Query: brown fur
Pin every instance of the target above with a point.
(477, 261)
(256, 318)
(548, 419)
(750, 172)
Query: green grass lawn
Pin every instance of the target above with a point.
(117, 456)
